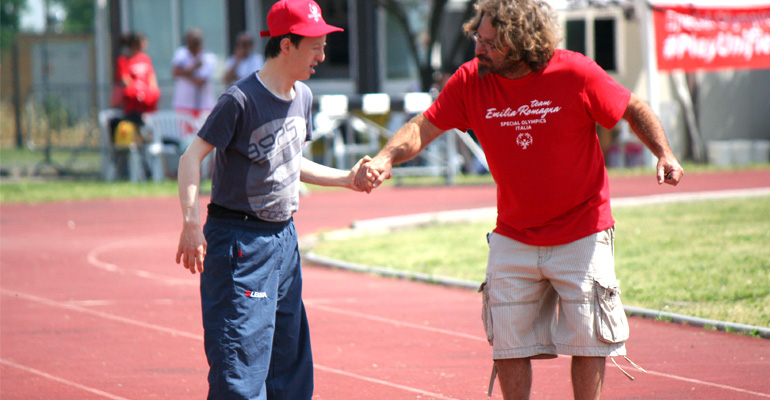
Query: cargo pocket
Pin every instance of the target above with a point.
(611, 323)
(486, 312)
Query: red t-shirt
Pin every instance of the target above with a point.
(539, 136)
(120, 66)
(138, 95)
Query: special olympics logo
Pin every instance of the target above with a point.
(524, 140)
(315, 13)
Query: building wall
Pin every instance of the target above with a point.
(734, 104)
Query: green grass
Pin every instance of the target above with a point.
(79, 180)
(78, 161)
(37, 191)
(709, 259)
(451, 250)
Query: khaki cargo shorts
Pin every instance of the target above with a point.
(525, 285)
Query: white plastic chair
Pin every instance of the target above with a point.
(417, 102)
(375, 103)
(171, 133)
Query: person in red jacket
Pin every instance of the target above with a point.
(141, 93)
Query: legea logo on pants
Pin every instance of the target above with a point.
(259, 295)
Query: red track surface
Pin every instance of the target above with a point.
(92, 306)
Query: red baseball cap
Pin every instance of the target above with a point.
(300, 17)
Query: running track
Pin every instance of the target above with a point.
(92, 306)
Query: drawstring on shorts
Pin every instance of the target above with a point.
(630, 362)
(492, 379)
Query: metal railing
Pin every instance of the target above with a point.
(344, 137)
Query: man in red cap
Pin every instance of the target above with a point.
(255, 329)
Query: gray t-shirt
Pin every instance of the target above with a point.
(259, 139)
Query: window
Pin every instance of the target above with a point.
(595, 34)
(604, 43)
(576, 35)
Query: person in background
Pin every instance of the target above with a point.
(141, 93)
(550, 284)
(193, 70)
(243, 61)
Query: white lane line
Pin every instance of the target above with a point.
(188, 335)
(128, 321)
(176, 332)
(381, 382)
(392, 321)
(60, 380)
(700, 382)
(92, 303)
(94, 255)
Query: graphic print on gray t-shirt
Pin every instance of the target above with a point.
(275, 150)
(259, 139)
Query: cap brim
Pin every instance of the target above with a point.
(315, 30)
(308, 31)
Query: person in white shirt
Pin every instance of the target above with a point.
(193, 70)
(242, 62)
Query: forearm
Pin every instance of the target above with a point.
(409, 141)
(646, 125)
(648, 128)
(189, 189)
(179, 72)
(186, 72)
(317, 174)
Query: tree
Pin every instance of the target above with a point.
(80, 15)
(423, 59)
(9, 22)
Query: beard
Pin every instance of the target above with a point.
(502, 68)
(485, 66)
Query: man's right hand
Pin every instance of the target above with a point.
(372, 174)
(192, 249)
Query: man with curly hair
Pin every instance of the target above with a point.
(550, 285)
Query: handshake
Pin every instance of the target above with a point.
(368, 174)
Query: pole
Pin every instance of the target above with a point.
(46, 71)
(644, 10)
(17, 95)
(101, 36)
(365, 50)
(47, 161)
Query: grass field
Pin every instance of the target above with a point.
(709, 259)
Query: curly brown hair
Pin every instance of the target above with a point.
(528, 27)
